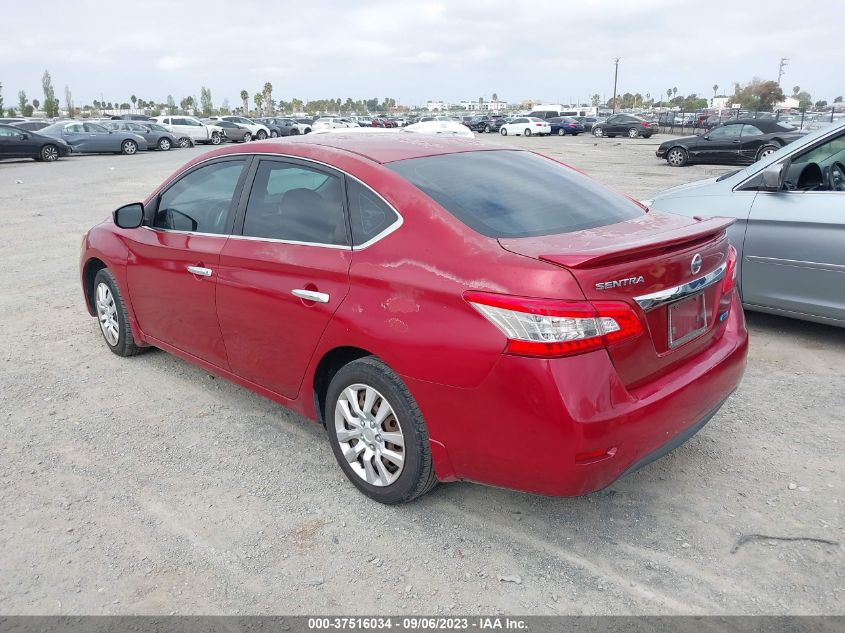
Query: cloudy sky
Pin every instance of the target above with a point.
(555, 51)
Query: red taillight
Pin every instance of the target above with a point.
(552, 328)
(646, 124)
(538, 124)
(730, 271)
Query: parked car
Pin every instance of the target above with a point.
(485, 124)
(18, 143)
(156, 135)
(282, 126)
(545, 114)
(93, 138)
(233, 132)
(526, 126)
(605, 335)
(256, 128)
(32, 126)
(589, 121)
(334, 122)
(737, 142)
(790, 225)
(624, 124)
(565, 125)
(188, 130)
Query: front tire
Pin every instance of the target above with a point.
(503, 132)
(677, 157)
(274, 134)
(184, 142)
(164, 144)
(561, 132)
(49, 153)
(598, 132)
(377, 433)
(129, 147)
(247, 137)
(112, 315)
(526, 132)
(487, 129)
(216, 139)
(261, 135)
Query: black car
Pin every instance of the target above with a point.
(625, 124)
(18, 143)
(485, 124)
(737, 142)
(280, 126)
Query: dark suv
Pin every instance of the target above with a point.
(625, 124)
(485, 124)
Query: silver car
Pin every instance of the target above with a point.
(790, 225)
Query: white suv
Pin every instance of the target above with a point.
(330, 122)
(257, 130)
(189, 130)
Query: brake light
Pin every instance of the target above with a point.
(539, 124)
(552, 328)
(646, 124)
(730, 272)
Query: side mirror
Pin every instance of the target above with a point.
(24, 136)
(129, 216)
(771, 178)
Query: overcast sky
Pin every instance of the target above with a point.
(557, 51)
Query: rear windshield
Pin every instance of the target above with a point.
(504, 193)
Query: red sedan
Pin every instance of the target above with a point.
(446, 308)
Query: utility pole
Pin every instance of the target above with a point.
(784, 62)
(615, 77)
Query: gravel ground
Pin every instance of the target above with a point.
(145, 485)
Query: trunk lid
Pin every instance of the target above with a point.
(649, 254)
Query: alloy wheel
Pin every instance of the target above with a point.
(184, 142)
(676, 157)
(598, 132)
(369, 435)
(633, 132)
(164, 144)
(107, 314)
(129, 147)
(50, 153)
(560, 132)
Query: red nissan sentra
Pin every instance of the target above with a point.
(448, 309)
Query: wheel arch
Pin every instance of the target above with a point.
(89, 272)
(330, 363)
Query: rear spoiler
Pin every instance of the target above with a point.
(703, 230)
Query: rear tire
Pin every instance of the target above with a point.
(503, 132)
(487, 129)
(274, 134)
(185, 142)
(112, 315)
(561, 132)
(261, 135)
(247, 137)
(294, 131)
(354, 402)
(527, 132)
(767, 150)
(633, 133)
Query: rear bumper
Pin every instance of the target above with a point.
(537, 425)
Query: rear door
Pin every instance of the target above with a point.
(12, 143)
(285, 272)
(751, 140)
(75, 135)
(173, 269)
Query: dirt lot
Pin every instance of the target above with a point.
(144, 485)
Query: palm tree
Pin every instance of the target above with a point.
(668, 94)
(258, 99)
(134, 100)
(495, 97)
(245, 101)
(715, 89)
(796, 90)
(674, 92)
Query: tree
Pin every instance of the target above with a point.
(837, 100)
(245, 101)
(715, 90)
(805, 99)
(50, 108)
(22, 100)
(821, 104)
(757, 95)
(267, 95)
(258, 99)
(171, 105)
(206, 105)
(68, 101)
(495, 97)
(796, 90)
(674, 92)
(224, 107)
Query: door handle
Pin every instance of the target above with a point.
(736, 141)
(310, 295)
(199, 270)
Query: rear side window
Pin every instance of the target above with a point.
(295, 203)
(369, 213)
(507, 193)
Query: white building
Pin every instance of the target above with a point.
(484, 106)
(788, 103)
(719, 102)
(436, 106)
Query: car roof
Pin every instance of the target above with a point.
(765, 125)
(384, 147)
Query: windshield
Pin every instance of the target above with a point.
(505, 193)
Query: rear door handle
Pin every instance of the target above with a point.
(199, 270)
(310, 295)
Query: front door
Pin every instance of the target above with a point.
(172, 269)
(721, 145)
(284, 277)
(795, 242)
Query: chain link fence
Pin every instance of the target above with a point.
(702, 121)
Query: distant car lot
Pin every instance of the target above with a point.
(146, 486)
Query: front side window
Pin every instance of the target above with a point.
(95, 128)
(369, 214)
(507, 193)
(5, 131)
(725, 132)
(201, 200)
(295, 203)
